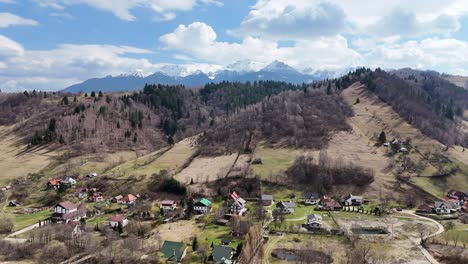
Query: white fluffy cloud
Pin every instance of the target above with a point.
(8, 20)
(122, 8)
(298, 19)
(67, 64)
(198, 40)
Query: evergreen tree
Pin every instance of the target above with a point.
(195, 244)
(239, 249)
(329, 91)
(61, 141)
(382, 138)
(101, 94)
(65, 100)
(93, 94)
(120, 228)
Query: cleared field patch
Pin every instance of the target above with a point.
(275, 160)
(206, 169)
(23, 220)
(172, 159)
(182, 230)
(14, 163)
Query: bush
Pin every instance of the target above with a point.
(6, 225)
(54, 252)
(171, 185)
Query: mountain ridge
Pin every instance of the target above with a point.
(241, 71)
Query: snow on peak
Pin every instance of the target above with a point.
(278, 66)
(244, 66)
(135, 73)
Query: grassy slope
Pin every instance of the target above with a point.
(13, 163)
(372, 116)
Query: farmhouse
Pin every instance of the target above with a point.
(168, 205)
(267, 199)
(68, 211)
(116, 219)
(92, 175)
(203, 206)
(238, 204)
(117, 199)
(68, 181)
(314, 220)
(442, 207)
(128, 199)
(311, 198)
(173, 251)
(285, 207)
(222, 254)
(13, 203)
(328, 204)
(53, 184)
(352, 200)
(461, 196)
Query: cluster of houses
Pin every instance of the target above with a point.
(321, 203)
(455, 201)
(176, 251)
(395, 143)
(61, 183)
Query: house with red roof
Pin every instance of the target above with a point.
(116, 219)
(128, 199)
(67, 211)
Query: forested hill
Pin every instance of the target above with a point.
(242, 113)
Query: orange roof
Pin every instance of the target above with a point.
(129, 198)
(53, 182)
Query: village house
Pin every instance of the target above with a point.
(53, 184)
(92, 175)
(68, 182)
(117, 199)
(68, 211)
(168, 205)
(129, 199)
(95, 196)
(267, 199)
(238, 204)
(222, 254)
(352, 200)
(328, 204)
(314, 221)
(311, 198)
(13, 203)
(173, 251)
(443, 207)
(285, 207)
(461, 196)
(203, 206)
(116, 219)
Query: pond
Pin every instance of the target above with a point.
(303, 255)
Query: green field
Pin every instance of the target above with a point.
(24, 220)
(274, 160)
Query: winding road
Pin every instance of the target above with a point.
(417, 241)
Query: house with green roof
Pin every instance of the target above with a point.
(173, 251)
(203, 206)
(222, 254)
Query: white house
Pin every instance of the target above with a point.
(203, 206)
(311, 198)
(68, 211)
(442, 207)
(352, 200)
(92, 175)
(116, 219)
(168, 205)
(65, 207)
(314, 220)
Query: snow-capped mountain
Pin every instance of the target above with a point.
(244, 66)
(278, 66)
(191, 76)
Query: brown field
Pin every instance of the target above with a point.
(183, 230)
(14, 163)
(206, 169)
(172, 159)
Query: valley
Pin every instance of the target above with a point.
(283, 146)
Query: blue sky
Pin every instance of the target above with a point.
(51, 44)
